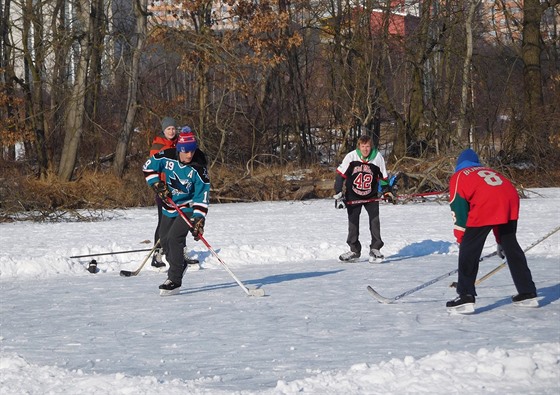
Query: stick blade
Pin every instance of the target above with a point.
(125, 273)
(256, 292)
(378, 297)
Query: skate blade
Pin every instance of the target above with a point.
(169, 292)
(467, 308)
(375, 260)
(527, 303)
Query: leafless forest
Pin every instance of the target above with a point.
(272, 89)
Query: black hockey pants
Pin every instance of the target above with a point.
(471, 249)
(354, 211)
(172, 233)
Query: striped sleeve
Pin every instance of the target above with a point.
(151, 171)
(459, 208)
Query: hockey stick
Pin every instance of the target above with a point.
(249, 292)
(504, 263)
(386, 300)
(397, 197)
(126, 273)
(110, 253)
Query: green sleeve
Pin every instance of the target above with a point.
(460, 208)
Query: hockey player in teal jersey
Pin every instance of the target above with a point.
(188, 185)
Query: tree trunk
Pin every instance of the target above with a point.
(202, 94)
(418, 56)
(140, 11)
(34, 59)
(75, 111)
(61, 46)
(7, 150)
(537, 127)
(531, 53)
(95, 75)
(467, 66)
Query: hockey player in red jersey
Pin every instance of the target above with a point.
(482, 200)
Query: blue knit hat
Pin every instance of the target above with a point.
(186, 142)
(467, 158)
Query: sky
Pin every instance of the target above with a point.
(317, 330)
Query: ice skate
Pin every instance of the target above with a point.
(349, 256)
(462, 304)
(191, 264)
(525, 300)
(375, 256)
(169, 288)
(157, 259)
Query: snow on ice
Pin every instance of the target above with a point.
(317, 330)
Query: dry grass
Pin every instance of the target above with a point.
(30, 198)
(95, 192)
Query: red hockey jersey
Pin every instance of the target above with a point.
(480, 196)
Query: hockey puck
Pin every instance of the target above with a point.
(92, 268)
(125, 273)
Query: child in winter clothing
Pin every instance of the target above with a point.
(482, 200)
(167, 138)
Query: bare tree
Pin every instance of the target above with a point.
(539, 131)
(7, 88)
(75, 110)
(140, 12)
(466, 87)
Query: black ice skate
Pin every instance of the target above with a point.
(525, 300)
(462, 304)
(169, 288)
(157, 259)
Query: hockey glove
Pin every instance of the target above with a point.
(500, 251)
(387, 194)
(339, 201)
(161, 189)
(198, 227)
(389, 197)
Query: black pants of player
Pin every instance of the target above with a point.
(471, 249)
(159, 205)
(354, 211)
(172, 233)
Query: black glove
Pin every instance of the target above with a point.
(161, 189)
(197, 227)
(339, 201)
